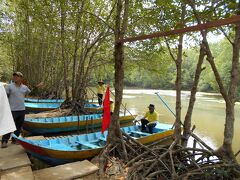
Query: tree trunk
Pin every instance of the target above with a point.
(226, 149)
(114, 129)
(114, 132)
(63, 16)
(188, 117)
(120, 29)
(230, 117)
(178, 83)
(76, 47)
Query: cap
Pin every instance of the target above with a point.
(111, 100)
(18, 74)
(100, 81)
(151, 105)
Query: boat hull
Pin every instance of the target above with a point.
(56, 157)
(62, 150)
(37, 128)
(40, 107)
(32, 100)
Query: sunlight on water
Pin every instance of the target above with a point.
(128, 97)
(208, 114)
(207, 140)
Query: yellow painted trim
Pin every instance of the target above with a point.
(93, 152)
(73, 124)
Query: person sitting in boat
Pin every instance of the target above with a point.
(111, 106)
(100, 91)
(150, 119)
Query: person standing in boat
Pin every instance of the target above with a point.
(100, 92)
(150, 119)
(16, 93)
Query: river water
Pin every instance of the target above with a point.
(208, 113)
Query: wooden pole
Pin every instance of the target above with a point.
(217, 23)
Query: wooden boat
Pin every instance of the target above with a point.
(32, 100)
(93, 108)
(68, 123)
(92, 101)
(40, 107)
(60, 150)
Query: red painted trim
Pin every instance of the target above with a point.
(32, 148)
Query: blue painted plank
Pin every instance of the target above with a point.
(140, 133)
(92, 146)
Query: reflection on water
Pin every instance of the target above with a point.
(208, 114)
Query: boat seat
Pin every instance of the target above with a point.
(87, 144)
(141, 133)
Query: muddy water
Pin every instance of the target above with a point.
(208, 114)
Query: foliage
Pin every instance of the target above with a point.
(156, 70)
(30, 42)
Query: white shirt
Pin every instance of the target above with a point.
(7, 124)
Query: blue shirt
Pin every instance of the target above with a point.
(16, 95)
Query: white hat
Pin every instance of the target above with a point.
(18, 74)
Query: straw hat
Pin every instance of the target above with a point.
(101, 81)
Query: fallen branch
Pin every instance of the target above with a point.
(237, 153)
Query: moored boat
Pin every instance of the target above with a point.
(40, 107)
(68, 123)
(93, 108)
(60, 150)
(32, 100)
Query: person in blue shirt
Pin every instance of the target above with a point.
(16, 93)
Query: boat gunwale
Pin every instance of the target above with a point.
(138, 139)
(31, 121)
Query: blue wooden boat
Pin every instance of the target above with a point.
(68, 123)
(93, 108)
(60, 150)
(32, 100)
(40, 107)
